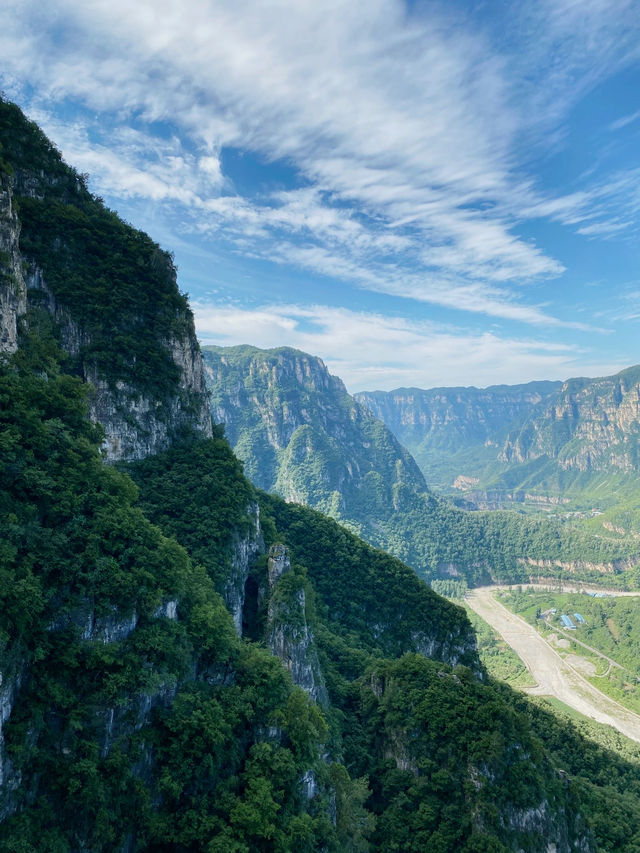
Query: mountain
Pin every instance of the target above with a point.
(588, 425)
(441, 425)
(554, 446)
(130, 334)
(187, 664)
(302, 436)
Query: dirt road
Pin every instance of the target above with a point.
(553, 676)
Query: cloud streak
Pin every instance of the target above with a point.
(371, 351)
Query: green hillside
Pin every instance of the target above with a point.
(565, 448)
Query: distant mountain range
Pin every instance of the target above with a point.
(303, 437)
(455, 431)
(573, 444)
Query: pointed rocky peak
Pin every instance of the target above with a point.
(278, 564)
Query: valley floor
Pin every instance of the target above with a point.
(553, 675)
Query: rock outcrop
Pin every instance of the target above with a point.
(453, 418)
(57, 261)
(289, 636)
(9, 779)
(13, 293)
(588, 425)
(245, 549)
(300, 433)
(135, 423)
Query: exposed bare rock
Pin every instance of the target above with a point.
(13, 294)
(289, 637)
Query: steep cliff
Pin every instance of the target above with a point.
(300, 434)
(290, 637)
(442, 422)
(13, 292)
(587, 425)
(132, 715)
(544, 445)
(111, 291)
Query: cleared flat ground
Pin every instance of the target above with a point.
(553, 675)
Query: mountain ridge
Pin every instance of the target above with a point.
(578, 446)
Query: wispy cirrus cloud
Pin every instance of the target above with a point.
(404, 120)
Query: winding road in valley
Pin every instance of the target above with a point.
(552, 674)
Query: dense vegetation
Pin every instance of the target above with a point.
(366, 607)
(196, 492)
(607, 785)
(112, 731)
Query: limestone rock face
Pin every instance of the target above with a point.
(9, 779)
(137, 426)
(135, 423)
(300, 433)
(13, 293)
(278, 564)
(555, 832)
(245, 549)
(289, 637)
(589, 425)
(440, 419)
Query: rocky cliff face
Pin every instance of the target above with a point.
(136, 424)
(110, 290)
(296, 428)
(245, 549)
(242, 378)
(540, 445)
(289, 637)
(588, 425)
(9, 778)
(301, 435)
(13, 293)
(455, 433)
(452, 418)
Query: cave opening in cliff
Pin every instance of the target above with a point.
(252, 623)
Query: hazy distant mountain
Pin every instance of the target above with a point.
(546, 444)
(439, 424)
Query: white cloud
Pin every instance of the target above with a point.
(370, 351)
(623, 121)
(407, 126)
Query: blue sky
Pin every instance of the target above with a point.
(420, 193)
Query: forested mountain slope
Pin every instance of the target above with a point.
(188, 665)
(302, 436)
(554, 446)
